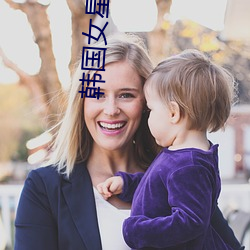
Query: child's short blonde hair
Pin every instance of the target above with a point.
(203, 90)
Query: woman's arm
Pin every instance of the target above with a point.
(221, 226)
(35, 225)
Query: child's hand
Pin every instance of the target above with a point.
(111, 186)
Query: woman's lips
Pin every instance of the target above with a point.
(112, 126)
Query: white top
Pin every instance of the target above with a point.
(110, 220)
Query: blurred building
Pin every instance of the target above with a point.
(234, 145)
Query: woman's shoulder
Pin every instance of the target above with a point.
(44, 178)
(52, 176)
(45, 172)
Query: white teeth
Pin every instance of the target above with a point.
(111, 126)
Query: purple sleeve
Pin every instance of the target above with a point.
(190, 193)
(131, 182)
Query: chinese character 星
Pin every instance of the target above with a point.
(103, 7)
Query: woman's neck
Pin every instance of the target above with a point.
(103, 164)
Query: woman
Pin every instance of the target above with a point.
(59, 207)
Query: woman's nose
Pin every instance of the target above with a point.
(111, 107)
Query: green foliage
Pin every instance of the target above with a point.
(233, 55)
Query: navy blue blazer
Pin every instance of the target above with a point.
(57, 213)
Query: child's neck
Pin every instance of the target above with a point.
(191, 139)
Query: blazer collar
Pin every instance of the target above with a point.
(79, 195)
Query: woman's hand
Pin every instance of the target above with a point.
(111, 186)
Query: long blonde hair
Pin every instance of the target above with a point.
(73, 142)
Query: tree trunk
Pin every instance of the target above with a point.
(80, 23)
(159, 39)
(46, 81)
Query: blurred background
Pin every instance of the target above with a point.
(40, 45)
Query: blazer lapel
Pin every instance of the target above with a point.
(79, 195)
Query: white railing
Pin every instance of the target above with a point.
(235, 196)
(9, 197)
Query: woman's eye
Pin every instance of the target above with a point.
(101, 95)
(127, 95)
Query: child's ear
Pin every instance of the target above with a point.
(175, 112)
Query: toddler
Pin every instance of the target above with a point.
(188, 96)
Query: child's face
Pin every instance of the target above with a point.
(159, 120)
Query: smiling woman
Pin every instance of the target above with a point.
(127, 65)
(113, 119)
(96, 138)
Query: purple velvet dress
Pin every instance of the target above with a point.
(174, 202)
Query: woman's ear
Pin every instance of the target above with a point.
(174, 112)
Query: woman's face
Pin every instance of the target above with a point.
(113, 119)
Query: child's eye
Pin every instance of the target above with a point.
(127, 95)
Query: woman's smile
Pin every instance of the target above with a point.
(112, 128)
(113, 119)
(111, 125)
